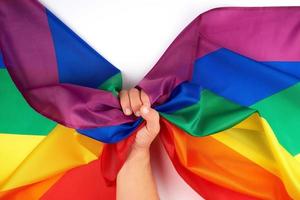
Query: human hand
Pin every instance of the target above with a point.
(137, 167)
(137, 102)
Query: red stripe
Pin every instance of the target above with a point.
(85, 182)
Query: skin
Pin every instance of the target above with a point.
(135, 180)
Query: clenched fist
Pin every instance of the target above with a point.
(137, 102)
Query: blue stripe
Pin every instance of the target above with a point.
(184, 95)
(225, 73)
(1, 61)
(78, 63)
(111, 134)
(241, 79)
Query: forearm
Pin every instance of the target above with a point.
(135, 180)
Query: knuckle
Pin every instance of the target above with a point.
(133, 90)
(123, 96)
(123, 92)
(135, 104)
(143, 94)
(135, 108)
(124, 101)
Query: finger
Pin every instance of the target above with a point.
(151, 117)
(145, 99)
(135, 101)
(125, 102)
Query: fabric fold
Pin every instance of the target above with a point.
(226, 89)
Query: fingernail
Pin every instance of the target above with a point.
(138, 114)
(127, 111)
(145, 110)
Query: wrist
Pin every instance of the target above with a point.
(139, 152)
(138, 158)
(137, 155)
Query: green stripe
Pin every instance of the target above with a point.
(282, 111)
(113, 84)
(211, 114)
(214, 113)
(16, 116)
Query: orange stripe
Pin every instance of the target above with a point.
(212, 160)
(30, 192)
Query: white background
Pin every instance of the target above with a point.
(132, 35)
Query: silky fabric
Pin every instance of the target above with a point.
(226, 89)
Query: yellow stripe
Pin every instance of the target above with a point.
(254, 139)
(61, 150)
(13, 150)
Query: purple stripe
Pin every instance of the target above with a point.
(175, 65)
(261, 33)
(27, 44)
(30, 58)
(77, 106)
(265, 34)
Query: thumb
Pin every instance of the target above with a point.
(151, 117)
(147, 134)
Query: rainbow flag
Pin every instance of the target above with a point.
(227, 90)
